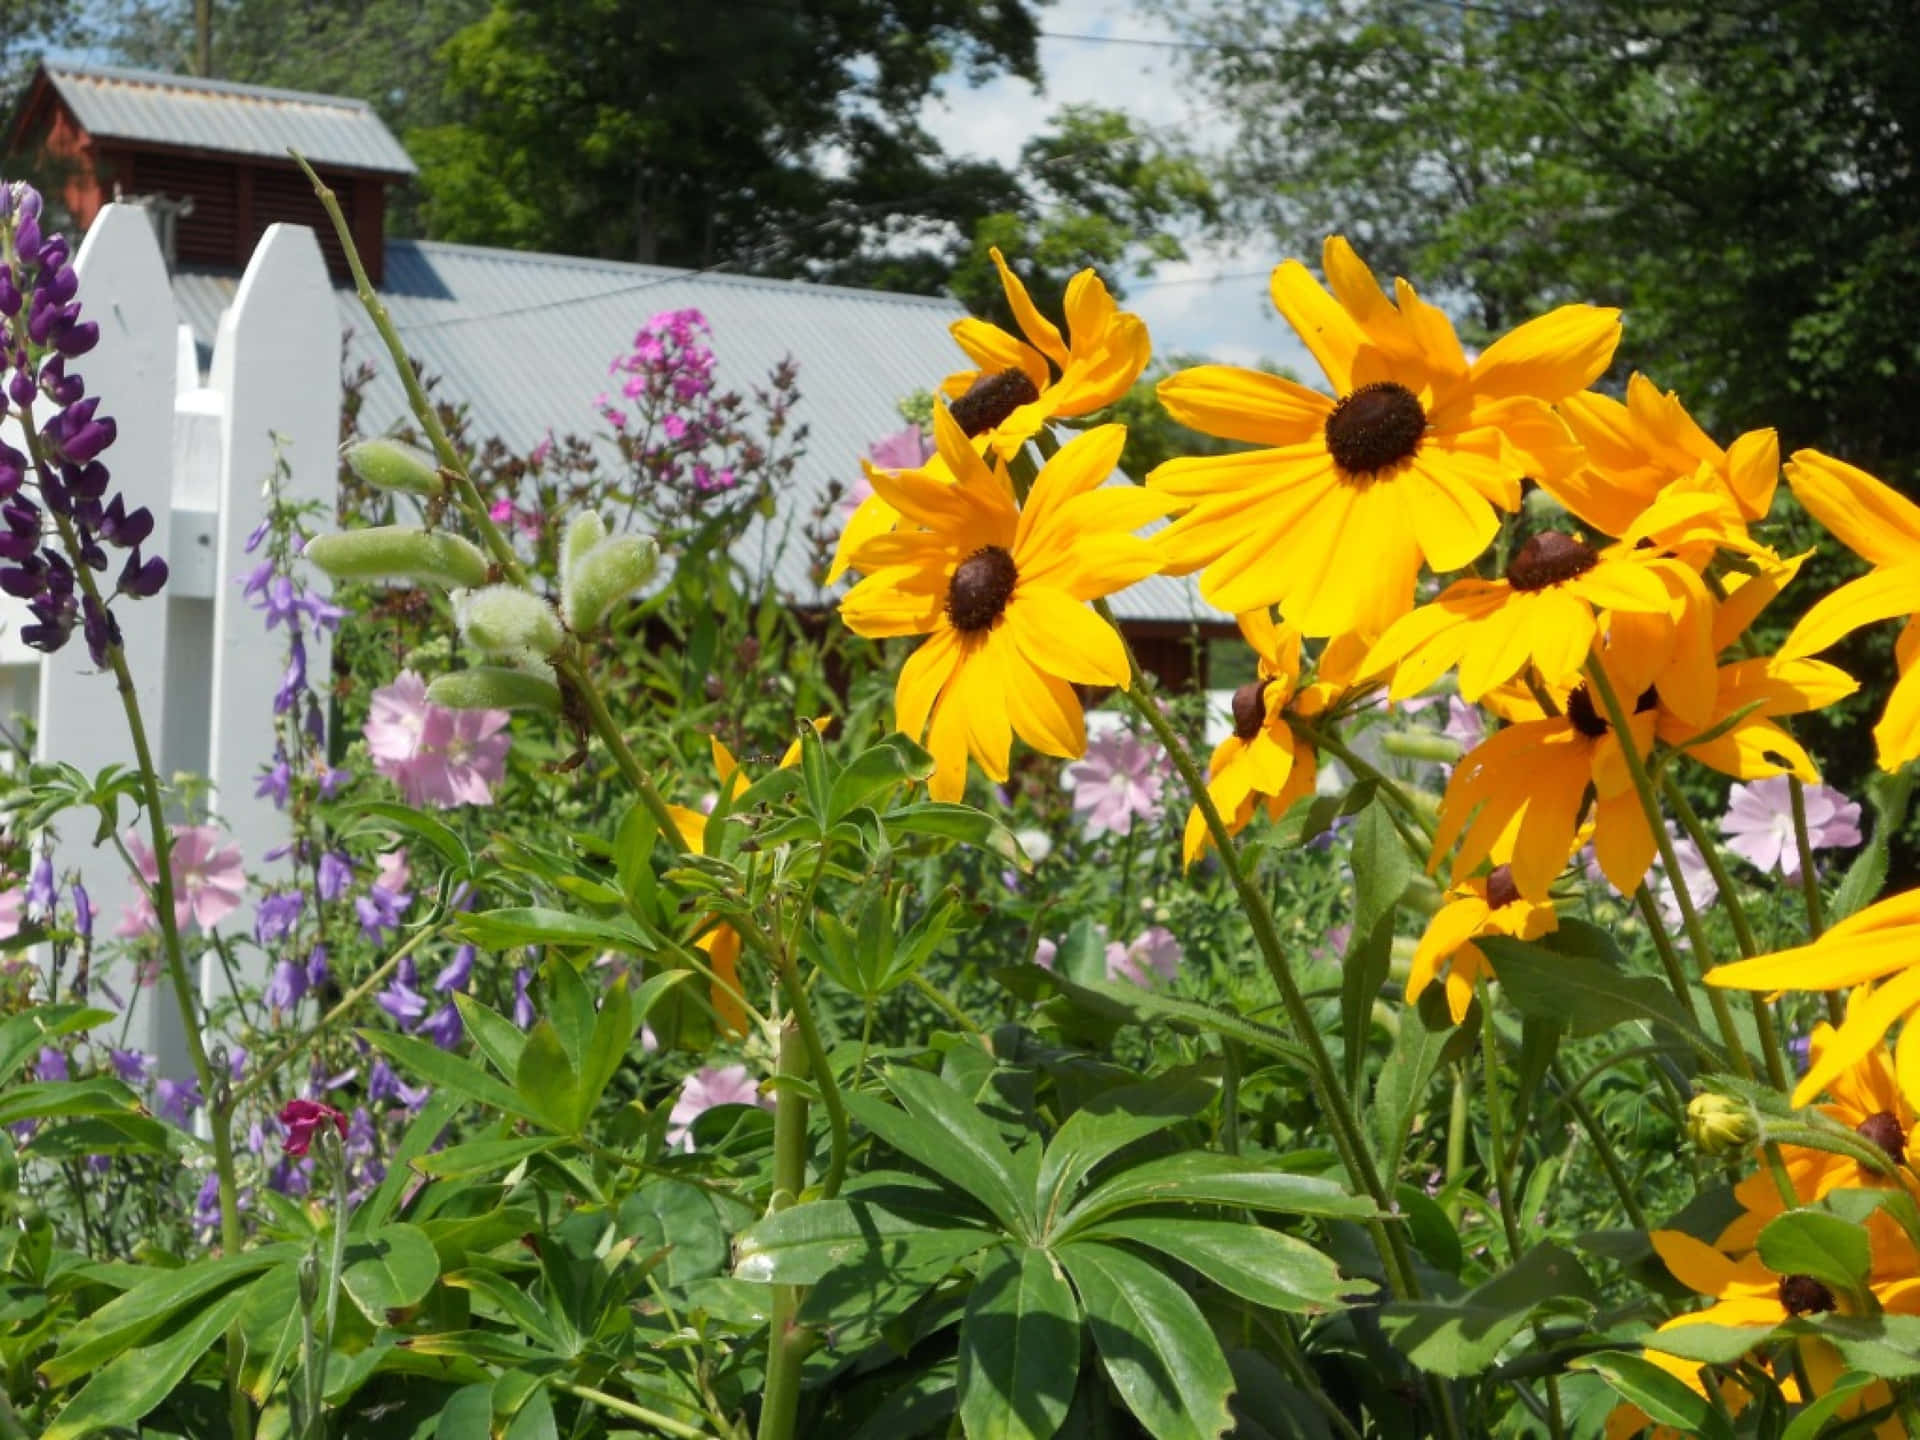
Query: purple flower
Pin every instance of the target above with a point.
(1154, 955)
(384, 1084)
(457, 971)
(335, 875)
(288, 986)
(295, 679)
(379, 911)
(258, 534)
(522, 1002)
(133, 1067)
(275, 783)
(318, 970)
(206, 1205)
(1759, 823)
(176, 1100)
(1694, 874)
(52, 1065)
(443, 1027)
(42, 894)
(1119, 781)
(276, 916)
(400, 999)
(82, 911)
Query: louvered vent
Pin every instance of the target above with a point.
(206, 236)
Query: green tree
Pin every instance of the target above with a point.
(27, 29)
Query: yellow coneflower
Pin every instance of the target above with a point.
(1410, 459)
(1482, 905)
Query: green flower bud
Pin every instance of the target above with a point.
(390, 465)
(494, 687)
(1421, 745)
(506, 621)
(586, 531)
(603, 577)
(399, 552)
(1721, 1125)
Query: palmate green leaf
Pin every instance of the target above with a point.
(1664, 1397)
(1197, 1177)
(1154, 1343)
(425, 1128)
(802, 1244)
(1832, 1250)
(1253, 1262)
(569, 1009)
(1019, 1348)
(678, 1217)
(391, 1268)
(894, 761)
(138, 1380)
(482, 1157)
(443, 1071)
(952, 1139)
(495, 1036)
(1576, 978)
(1462, 1337)
(1105, 1125)
(512, 1305)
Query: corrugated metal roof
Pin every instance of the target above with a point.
(218, 115)
(525, 341)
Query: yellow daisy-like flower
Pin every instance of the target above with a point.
(1756, 691)
(1410, 459)
(1875, 946)
(1541, 614)
(1484, 905)
(1021, 384)
(1262, 761)
(1518, 795)
(1640, 449)
(1882, 528)
(1000, 592)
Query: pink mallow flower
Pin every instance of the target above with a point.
(1759, 823)
(13, 909)
(436, 756)
(208, 880)
(1119, 781)
(707, 1087)
(1150, 957)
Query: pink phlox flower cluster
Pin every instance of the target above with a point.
(209, 880)
(528, 522)
(1153, 956)
(436, 756)
(707, 1087)
(1759, 823)
(1119, 781)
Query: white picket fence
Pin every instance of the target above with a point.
(198, 456)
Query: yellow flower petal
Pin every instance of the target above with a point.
(1245, 405)
(1040, 330)
(1324, 327)
(1062, 637)
(1551, 357)
(1878, 595)
(1879, 525)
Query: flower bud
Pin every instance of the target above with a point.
(494, 687)
(1421, 745)
(399, 552)
(586, 531)
(506, 621)
(603, 577)
(1721, 1125)
(390, 465)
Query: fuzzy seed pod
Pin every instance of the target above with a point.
(494, 687)
(606, 575)
(586, 531)
(399, 552)
(508, 622)
(390, 465)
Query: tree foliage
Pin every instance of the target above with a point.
(28, 27)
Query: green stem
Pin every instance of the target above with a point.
(1737, 913)
(838, 1130)
(1663, 946)
(1496, 1125)
(626, 1409)
(1364, 769)
(1458, 1121)
(1602, 1146)
(1803, 843)
(780, 1399)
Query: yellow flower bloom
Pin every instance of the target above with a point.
(1411, 458)
(1877, 945)
(1640, 449)
(1483, 905)
(1882, 528)
(1262, 761)
(1541, 614)
(1001, 594)
(1753, 746)
(1019, 385)
(1517, 797)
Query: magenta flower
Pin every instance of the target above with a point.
(436, 756)
(1119, 781)
(707, 1087)
(1759, 823)
(1152, 956)
(304, 1118)
(208, 880)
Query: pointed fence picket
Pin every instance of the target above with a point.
(199, 456)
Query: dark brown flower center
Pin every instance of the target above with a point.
(1250, 709)
(1804, 1295)
(1375, 428)
(1550, 558)
(1884, 1130)
(981, 587)
(1585, 717)
(1501, 891)
(991, 399)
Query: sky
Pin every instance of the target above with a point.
(1104, 52)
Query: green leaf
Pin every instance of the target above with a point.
(511, 1304)
(1019, 1348)
(1809, 1242)
(1128, 1004)
(1255, 1263)
(801, 1244)
(1381, 871)
(1868, 872)
(21, 1036)
(547, 1081)
(1462, 1337)
(482, 1157)
(139, 1380)
(663, 1213)
(437, 834)
(1663, 1397)
(1838, 1396)
(1105, 1125)
(1708, 1343)
(1576, 978)
(1197, 1177)
(392, 1268)
(613, 1030)
(1156, 1346)
(95, 1095)
(894, 761)
(495, 1036)
(952, 1139)
(421, 1132)
(444, 1071)
(270, 1326)
(956, 822)
(103, 1135)
(511, 928)
(1402, 1086)
(1883, 1345)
